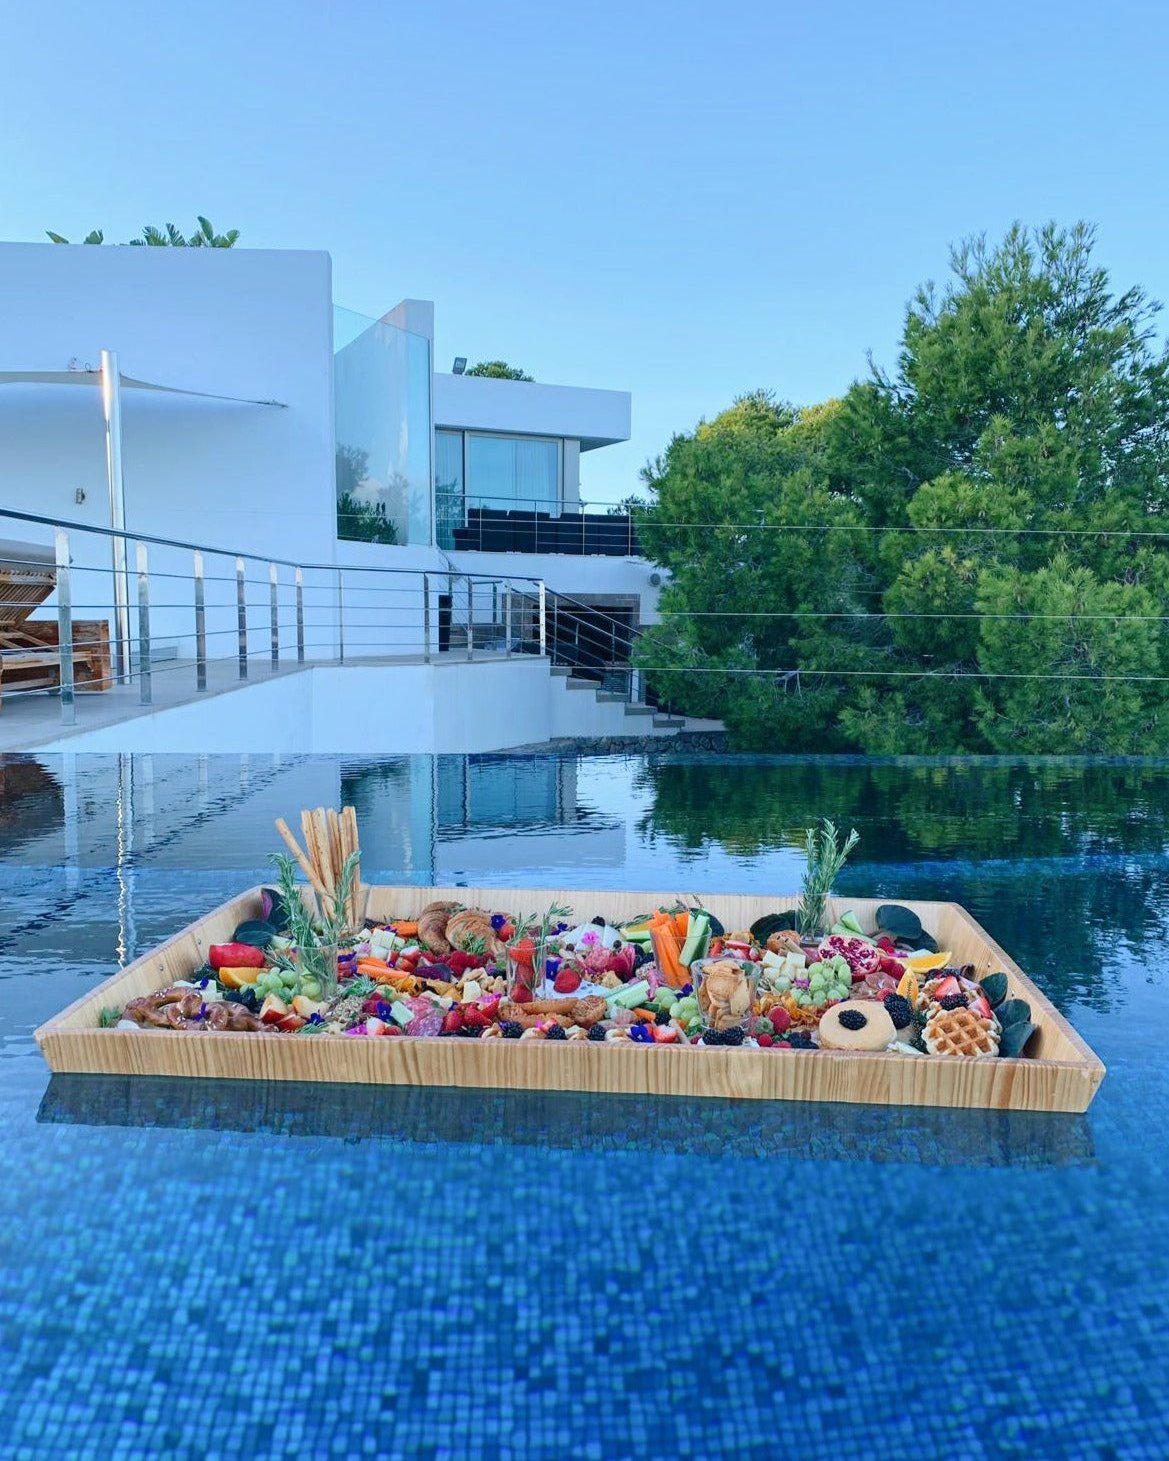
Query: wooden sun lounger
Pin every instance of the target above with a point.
(30, 650)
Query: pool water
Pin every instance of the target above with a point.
(218, 1271)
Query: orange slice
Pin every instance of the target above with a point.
(925, 963)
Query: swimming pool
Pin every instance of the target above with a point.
(225, 1271)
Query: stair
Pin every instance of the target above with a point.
(592, 711)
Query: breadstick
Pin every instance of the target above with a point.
(349, 823)
(321, 848)
(309, 827)
(294, 847)
(328, 871)
(336, 852)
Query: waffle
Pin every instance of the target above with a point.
(961, 1032)
(927, 998)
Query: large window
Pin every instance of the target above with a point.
(513, 472)
(504, 473)
(449, 505)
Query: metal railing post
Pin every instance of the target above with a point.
(143, 625)
(300, 616)
(507, 620)
(200, 623)
(470, 617)
(543, 619)
(274, 596)
(241, 613)
(65, 626)
(340, 616)
(426, 618)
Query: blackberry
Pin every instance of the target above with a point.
(854, 1019)
(734, 1036)
(511, 1029)
(954, 1001)
(799, 1040)
(899, 1010)
(469, 1032)
(596, 1032)
(557, 1033)
(662, 1017)
(713, 1037)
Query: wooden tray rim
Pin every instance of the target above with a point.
(1089, 1063)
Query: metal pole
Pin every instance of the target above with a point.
(470, 617)
(143, 626)
(111, 404)
(340, 616)
(241, 613)
(65, 626)
(274, 593)
(300, 616)
(426, 618)
(507, 621)
(200, 624)
(543, 619)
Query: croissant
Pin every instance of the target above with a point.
(432, 922)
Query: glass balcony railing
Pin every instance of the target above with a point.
(381, 377)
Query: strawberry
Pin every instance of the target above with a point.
(522, 993)
(949, 985)
(473, 1015)
(452, 1020)
(981, 1007)
(893, 967)
(767, 1041)
(567, 981)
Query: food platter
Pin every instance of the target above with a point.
(1059, 1072)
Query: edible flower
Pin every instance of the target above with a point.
(497, 921)
(552, 967)
(641, 1033)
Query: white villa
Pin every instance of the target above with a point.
(217, 400)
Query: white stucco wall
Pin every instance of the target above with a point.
(240, 322)
(531, 408)
(373, 710)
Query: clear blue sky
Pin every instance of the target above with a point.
(684, 199)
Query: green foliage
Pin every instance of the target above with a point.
(498, 370)
(168, 236)
(364, 522)
(867, 573)
(358, 519)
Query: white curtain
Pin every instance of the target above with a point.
(514, 472)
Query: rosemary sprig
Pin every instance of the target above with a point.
(542, 936)
(109, 1017)
(825, 855)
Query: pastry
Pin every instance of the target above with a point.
(432, 922)
(960, 1031)
(856, 1024)
(470, 929)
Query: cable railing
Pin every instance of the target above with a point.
(215, 616)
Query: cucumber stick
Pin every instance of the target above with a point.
(697, 939)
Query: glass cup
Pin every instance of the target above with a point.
(726, 991)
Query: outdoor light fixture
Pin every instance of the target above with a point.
(460, 364)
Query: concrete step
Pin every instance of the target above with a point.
(639, 710)
(668, 722)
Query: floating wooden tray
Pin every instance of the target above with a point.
(1062, 1075)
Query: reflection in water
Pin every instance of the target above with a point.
(31, 799)
(923, 1136)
